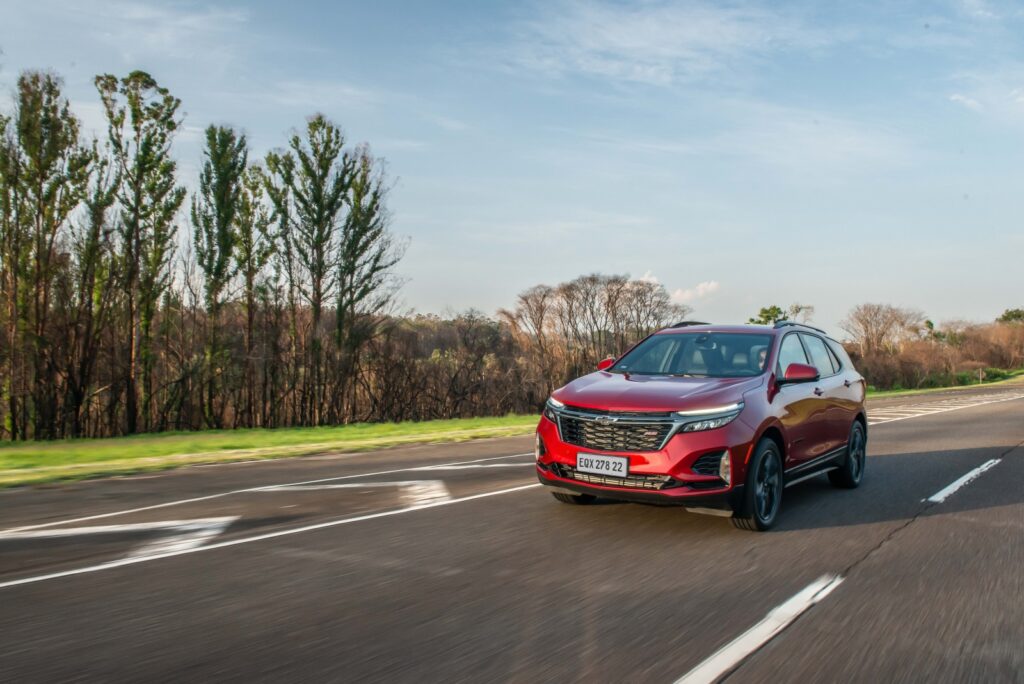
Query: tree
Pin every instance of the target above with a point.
(309, 189)
(366, 256)
(95, 284)
(141, 123)
(214, 212)
(800, 312)
(1012, 316)
(882, 327)
(254, 246)
(768, 315)
(44, 174)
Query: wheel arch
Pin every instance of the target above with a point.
(774, 433)
(862, 418)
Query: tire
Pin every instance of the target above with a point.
(850, 474)
(577, 499)
(762, 495)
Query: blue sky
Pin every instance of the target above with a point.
(743, 154)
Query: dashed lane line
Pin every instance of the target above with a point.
(949, 490)
(728, 657)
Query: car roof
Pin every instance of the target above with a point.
(760, 329)
(748, 328)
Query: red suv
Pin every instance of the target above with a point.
(719, 419)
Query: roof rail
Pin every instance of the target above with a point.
(687, 324)
(783, 324)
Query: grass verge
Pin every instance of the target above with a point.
(1016, 377)
(38, 462)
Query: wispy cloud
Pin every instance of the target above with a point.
(997, 91)
(138, 29)
(779, 136)
(968, 102)
(305, 94)
(653, 42)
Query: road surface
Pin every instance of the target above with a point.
(448, 563)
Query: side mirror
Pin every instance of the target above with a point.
(605, 364)
(800, 372)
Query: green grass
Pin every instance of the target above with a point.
(1014, 375)
(37, 462)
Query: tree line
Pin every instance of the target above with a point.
(265, 296)
(115, 324)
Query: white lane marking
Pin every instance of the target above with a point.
(893, 414)
(259, 537)
(193, 533)
(730, 655)
(946, 492)
(414, 492)
(208, 497)
(185, 534)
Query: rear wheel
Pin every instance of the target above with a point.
(762, 495)
(578, 499)
(849, 475)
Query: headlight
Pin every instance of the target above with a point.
(550, 407)
(709, 418)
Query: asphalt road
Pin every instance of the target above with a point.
(446, 563)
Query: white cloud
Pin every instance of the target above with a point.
(784, 137)
(979, 9)
(997, 92)
(654, 42)
(649, 277)
(139, 30)
(319, 95)
(968, 102)
(701, 290)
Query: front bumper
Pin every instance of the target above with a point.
(663, 477)
(722, 500)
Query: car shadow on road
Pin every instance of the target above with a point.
(892, 491)
(895, 488)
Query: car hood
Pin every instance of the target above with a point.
(618, 392)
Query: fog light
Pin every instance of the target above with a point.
(724, 468)
(538, 449)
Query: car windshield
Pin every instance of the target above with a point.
(704, 354)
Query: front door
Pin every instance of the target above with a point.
(805, 411)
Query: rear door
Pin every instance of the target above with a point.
(802, 411)
(835, 424)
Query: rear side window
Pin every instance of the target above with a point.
(835, 359)
(840, 353)
(791, 351)
(820, 357)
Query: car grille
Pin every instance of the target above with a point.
(614, 431)
(631, 481)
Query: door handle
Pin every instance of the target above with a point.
(846, 383)
(818, 391)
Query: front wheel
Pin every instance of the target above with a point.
(577, 499)
(762, 496)
(850, 474)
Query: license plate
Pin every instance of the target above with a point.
(616, 466)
